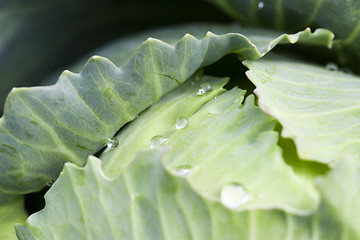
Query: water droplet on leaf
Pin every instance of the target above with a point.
(261, 5)
(205, 88)
(49, 184)
(233, 195)
(158, 141)
(332, 66)
(112, 142)
(182, 123)
(183, 170)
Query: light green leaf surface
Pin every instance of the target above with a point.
(318, 108)
(159, 119)
(340, 191)
(11, 213)
(148, 202)
(223, 144)
(43, 127)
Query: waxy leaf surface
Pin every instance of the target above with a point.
(318, 108)
(44, 127)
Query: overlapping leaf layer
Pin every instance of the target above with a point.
(317, 107)
(44, 127)
(151, 203)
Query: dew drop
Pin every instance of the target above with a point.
(182, 123)
(260, 5)
(205, 88)
(332, 66)
(112, 142)
(215, 110)
(183, 170)
(158, 141)
(233, 195)
(49, 184)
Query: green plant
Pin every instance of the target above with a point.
(149, 145)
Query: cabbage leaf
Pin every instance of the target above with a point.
(11, 213)
(318, 108)
(150, 202)
(44, 127)
(195, 132)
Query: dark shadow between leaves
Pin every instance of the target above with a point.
(300, 166)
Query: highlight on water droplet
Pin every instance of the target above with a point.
(183, 170)
(49, 184)
(332, 66)
(260, 5)
(233, 195)
(205, 88)
(215, 110)
(112, 142)
(182, 123)
(158, 141)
